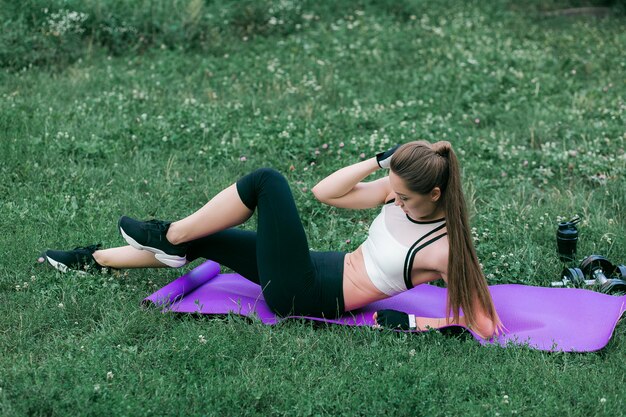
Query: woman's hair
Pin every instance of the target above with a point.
(423, 167)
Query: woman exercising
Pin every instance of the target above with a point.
(421, 234)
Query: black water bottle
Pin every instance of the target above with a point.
(566, 239)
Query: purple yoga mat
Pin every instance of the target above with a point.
(553, 319)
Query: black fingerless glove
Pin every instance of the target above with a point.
(392, 319)
(384, 158)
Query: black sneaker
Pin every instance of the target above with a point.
(78, 259)
(150, 236)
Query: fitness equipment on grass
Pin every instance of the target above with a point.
(599, 267)
(573, 276)
(566, 239)
(595, 268)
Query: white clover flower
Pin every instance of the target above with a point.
(605, 238)
(66, 21)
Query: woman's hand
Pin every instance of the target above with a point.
(384, 158)
(393, 319)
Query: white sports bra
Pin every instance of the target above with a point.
(393, 241)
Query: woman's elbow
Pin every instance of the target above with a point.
(485, 328)
(317, 193)
(321, 195)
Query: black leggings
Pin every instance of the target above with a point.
(294, 280)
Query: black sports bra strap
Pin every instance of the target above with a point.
(407, 266)
(408, 262)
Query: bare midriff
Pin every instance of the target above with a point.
(358, 289)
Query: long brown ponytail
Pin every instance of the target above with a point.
(423, 167)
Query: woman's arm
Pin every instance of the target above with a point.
(397, 319)
(344, 189)
(485, 329)
(484, 326)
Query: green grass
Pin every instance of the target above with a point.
(534, 107)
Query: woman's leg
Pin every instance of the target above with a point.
(276, 256)
(223, 211)
(277, 251)
(92, 258)
(233, 248)
(169, 240)
(285, 269)
(294, 280)
(126, 257)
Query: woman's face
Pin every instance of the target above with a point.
(421, 207)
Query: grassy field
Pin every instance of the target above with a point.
(149, 111)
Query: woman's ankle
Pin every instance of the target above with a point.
(100, 258)
(174, 234)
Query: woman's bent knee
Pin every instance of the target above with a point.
(249, 186)
(269, 174)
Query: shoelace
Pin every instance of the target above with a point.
(159, 225)
(90, 248)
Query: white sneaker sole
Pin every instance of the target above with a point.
(62, 267)
(169, 260)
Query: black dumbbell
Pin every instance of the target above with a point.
(619, 272)
(598, 267)
(573, 276)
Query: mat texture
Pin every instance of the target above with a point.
(553, 319)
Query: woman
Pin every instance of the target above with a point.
(422, 234)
